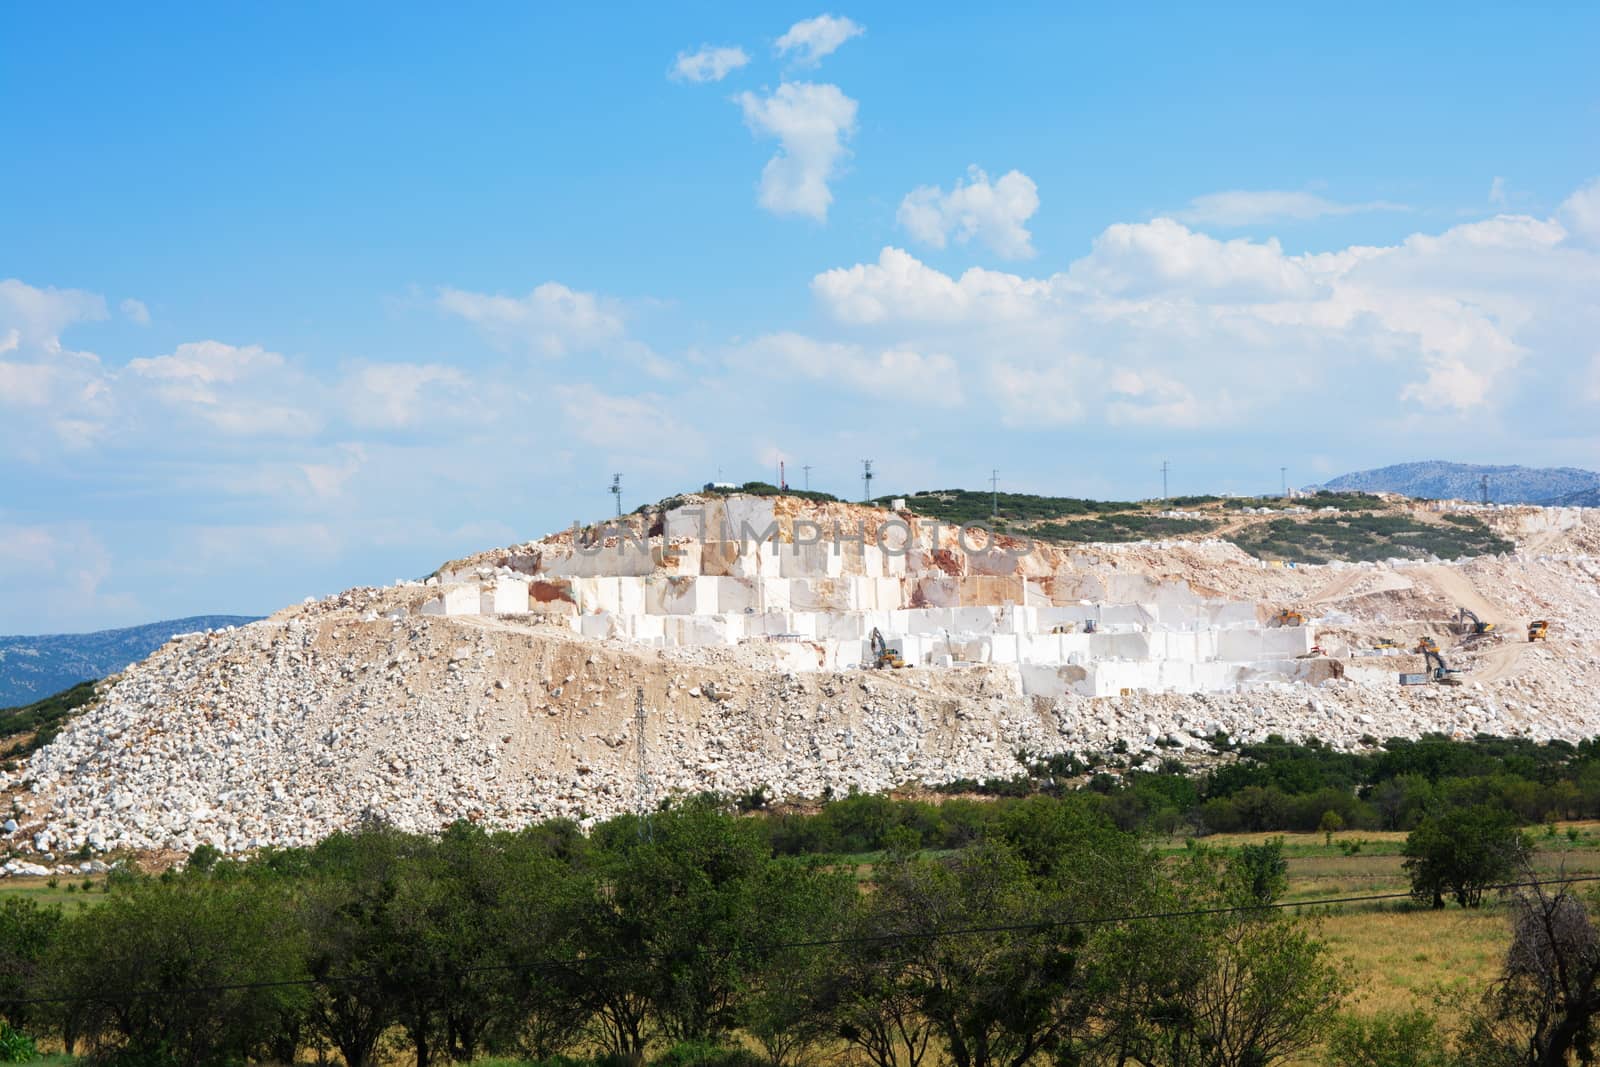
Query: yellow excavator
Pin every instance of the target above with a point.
(1539, 630)
(1440, 671)
(882, 655)
(1287, 617)
(1471, 625)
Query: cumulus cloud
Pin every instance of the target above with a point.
(896, 372)
(1580, 213)
(39, 315)
(811, 123)
(1245, 207)
(135, 310)
(552, 320)
(809, 41)
(638, 425)
(709, 64)
(995, 213)
(1161, 325)
(243, 390)
(393, 395)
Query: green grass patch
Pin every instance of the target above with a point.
(1121, 528)
(966, 505)
(1368, 538)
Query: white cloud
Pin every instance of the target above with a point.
(135, 310)
(553, 320)
(239, 390)
(997, 213)
(206, 363)
(624, 424)
(1136, 259)
(709, 64)
(40, 315)
(809, 41)
(811, 123)
(896, 372)
(1160, 325)
(1497, 191)
(1244, 207)
(393, 395)
(1580, 213)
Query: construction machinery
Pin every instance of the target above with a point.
(882, 655)
(1438, 669)
(1471, 625)
(1539, 630)
(1287, 617)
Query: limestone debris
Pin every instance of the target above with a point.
(727, 645)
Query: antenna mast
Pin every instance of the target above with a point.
(866, 481)
(616, 491)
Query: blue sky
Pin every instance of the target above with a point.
(295, 298)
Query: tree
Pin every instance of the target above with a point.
(1261, 871)
(1542, 1011)
(27, 931)
(805, 908)
(188, 972)
(347, 911)
(1012, 984)
(677, 918)
(1219, 982)
(1461, 851)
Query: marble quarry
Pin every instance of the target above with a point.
(733, 572)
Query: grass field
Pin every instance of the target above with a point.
(1403, 956)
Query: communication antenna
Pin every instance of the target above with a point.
(1164, 465)
(616, 491)
(1283, 474)
(994, 490)
(807, 469)
(866, 481)
(1486, 489)
(783, 479)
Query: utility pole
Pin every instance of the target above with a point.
(616, 491)
(1164, 465)
(994, 490)
(807, 469)
(643, 765)
(866, 481)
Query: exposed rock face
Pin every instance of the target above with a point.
(364, 703)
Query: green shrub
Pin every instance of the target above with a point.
(15, 1047)
(1411, 1039)
(706, 1054)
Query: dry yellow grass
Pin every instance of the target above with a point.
(1402, 959)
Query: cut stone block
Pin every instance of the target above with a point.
(462, 599)
(504, 596)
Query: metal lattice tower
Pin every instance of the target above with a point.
(616, 491)
(866, 481)
(642, 781)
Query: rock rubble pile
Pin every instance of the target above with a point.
(360, 705)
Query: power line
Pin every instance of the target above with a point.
(833, 942)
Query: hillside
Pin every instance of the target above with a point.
(1440, 480)
(32, 668)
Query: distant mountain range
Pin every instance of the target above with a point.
(35, 667)
(1438, 480)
